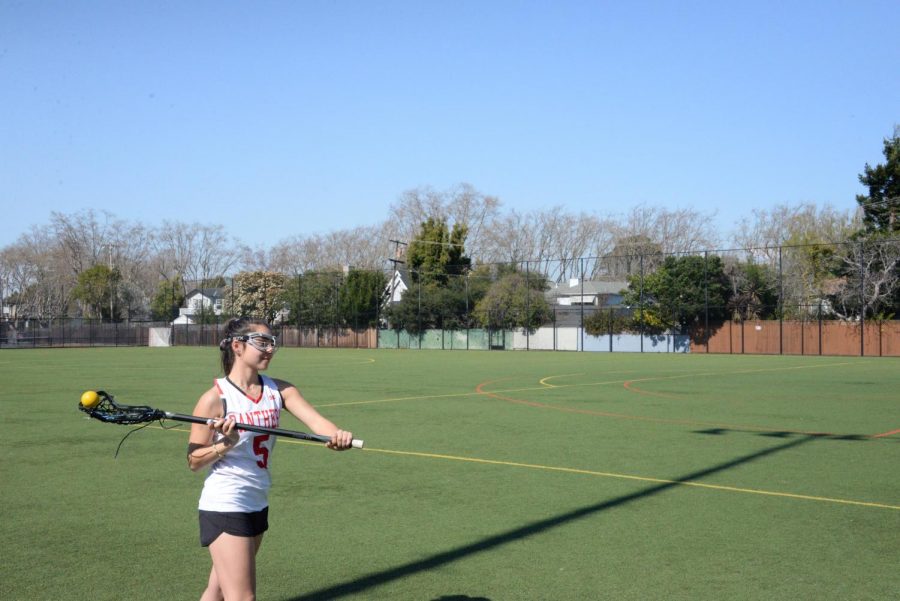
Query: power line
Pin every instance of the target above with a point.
(461, 245)
(883, 201)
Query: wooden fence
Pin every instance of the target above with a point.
(873, 339)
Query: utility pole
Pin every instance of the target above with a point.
(397, 260)
(113, 285)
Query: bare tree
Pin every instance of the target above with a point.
(83, 237)
(638, 240)
(478, 212)
(564, 239)
(872, 277)
(18, 272)
(354, 247)
(510, 240)
(413, 208)
(784, 225)
(258, 259)
(802, 244)
(633, 255)
(675, 231)
(33, 273)
(127, 247)
(195, 251)
(551, 241)
(460, 205)
(361, 247)
(293, 256)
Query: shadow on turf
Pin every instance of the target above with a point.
(437, 560)
(786, 434)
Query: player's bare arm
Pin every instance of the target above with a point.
(202, 451)
(300, 408)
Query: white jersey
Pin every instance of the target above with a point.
(240, 481)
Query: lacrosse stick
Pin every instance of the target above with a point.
(102, 406)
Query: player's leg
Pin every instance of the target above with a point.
(213, 591)
(233, 576)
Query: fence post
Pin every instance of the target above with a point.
(730, 338)
(780, 303)
(527, 308)
(820, 327)
(555, 345)
(468, 319)
(299, 310)
(419, 312)
(743, 348)
(803, 332)
(581, 344)
(706, 299)
(610, 329)
(862, 304)
(641, 303)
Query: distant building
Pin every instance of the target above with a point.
(598, 294)
(201, 301)
(396, 286)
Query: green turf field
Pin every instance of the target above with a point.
(486, 475)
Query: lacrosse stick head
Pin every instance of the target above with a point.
(109, 411)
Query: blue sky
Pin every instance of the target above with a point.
(307, 117)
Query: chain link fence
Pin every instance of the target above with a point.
(73, 332)
(813, 299)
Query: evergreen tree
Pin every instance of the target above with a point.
(438, 296)
(97, 289)
(881, 207)
(169, 296)
(682, 292)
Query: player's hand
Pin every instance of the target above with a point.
(340, 440)
(225, 427)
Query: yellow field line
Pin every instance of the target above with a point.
(544, 386)
(410, 398)
(571, 470)
(697, 375)
(543, 381)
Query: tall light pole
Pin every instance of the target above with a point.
(113, 284)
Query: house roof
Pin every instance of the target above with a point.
(212, 293)
(589, 288)
(403, 273)
(396, 286)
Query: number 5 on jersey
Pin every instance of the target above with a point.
(261, 450)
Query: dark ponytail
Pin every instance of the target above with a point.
(237, 326)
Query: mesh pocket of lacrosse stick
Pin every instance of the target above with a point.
(109, 411)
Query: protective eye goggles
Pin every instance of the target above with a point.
(265, 343)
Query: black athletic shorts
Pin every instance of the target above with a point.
(214, 523)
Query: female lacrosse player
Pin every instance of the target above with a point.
(234, 502)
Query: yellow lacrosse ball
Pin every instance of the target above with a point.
(90, 399)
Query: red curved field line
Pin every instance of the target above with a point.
(682, 422)
(886, 434)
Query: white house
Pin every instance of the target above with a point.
(593, 293)
(198, 301)
(395, 288)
